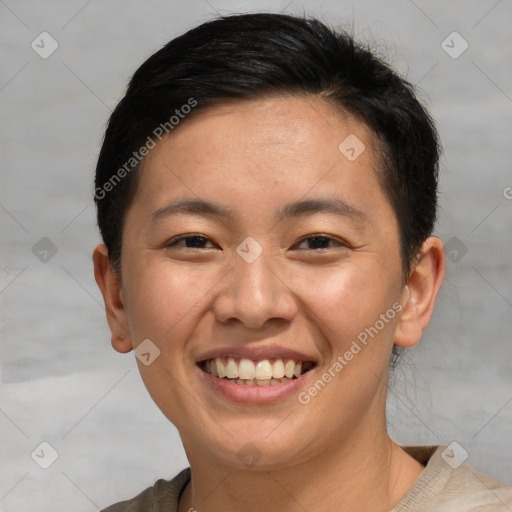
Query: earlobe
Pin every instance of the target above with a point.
(109, 284)
(419, 294)
(122, 343)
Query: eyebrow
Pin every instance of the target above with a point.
(320, 205)
(191, 206)
(290, 210)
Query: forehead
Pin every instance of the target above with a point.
(296, 142)
(304, 126)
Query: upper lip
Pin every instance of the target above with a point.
(256, 353)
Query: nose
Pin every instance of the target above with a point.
(254, 294)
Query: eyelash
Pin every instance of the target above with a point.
(174, 243)
(327, 238)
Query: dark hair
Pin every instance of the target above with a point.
(256, 55)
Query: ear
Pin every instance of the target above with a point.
(419, 294)
(110, 286)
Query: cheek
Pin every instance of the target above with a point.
(165, 298)
(346, 300)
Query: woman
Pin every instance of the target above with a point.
(266, 193)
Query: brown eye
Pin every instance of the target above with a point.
(319, 242)
(190, 242)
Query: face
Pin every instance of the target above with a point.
(256, 247)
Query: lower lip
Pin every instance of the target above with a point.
(254, 394)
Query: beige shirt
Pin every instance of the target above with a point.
(439, 488)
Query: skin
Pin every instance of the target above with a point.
(253, 157)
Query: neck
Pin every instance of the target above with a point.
(364, 473)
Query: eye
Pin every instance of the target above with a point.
(319, 242)
(190, 242)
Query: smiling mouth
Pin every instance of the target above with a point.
(265, 372)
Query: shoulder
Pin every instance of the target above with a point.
(164, 495)
(447, 485)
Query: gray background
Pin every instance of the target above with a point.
(62, 382)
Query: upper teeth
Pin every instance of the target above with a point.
(259, 370)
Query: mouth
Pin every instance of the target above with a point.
(248, 372)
